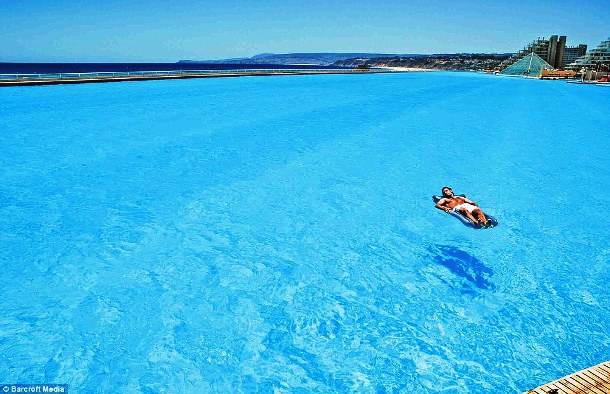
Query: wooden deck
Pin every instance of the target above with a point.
(594, 380)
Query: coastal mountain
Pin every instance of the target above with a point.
(318, 59)
(455, 61)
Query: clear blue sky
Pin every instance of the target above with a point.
(167, 31)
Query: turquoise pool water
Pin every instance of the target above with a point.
(277, 233)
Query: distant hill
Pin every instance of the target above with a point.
(450, 61)
(318, 59)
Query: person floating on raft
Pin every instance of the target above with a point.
(468, 209)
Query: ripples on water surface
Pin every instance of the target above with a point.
(261, 234)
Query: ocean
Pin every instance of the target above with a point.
(51, 68)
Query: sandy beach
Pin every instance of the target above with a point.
(409, 69)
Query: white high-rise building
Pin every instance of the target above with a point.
(595, 58)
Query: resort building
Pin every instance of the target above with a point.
(552, 50)
(596, 59)
(572, 53)
(556, 49)
(531, 65)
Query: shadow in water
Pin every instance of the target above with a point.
(466, 266)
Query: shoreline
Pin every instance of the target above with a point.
(80, 79)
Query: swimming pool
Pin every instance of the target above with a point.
(277, 233)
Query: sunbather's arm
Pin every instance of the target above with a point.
(441, 205)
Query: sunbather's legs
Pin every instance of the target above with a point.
(481, 218)
(469, 216)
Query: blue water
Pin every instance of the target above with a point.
(260, 234)
(42, 68)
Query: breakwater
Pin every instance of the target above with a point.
(96, 77)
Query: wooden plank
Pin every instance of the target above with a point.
(566, 387)
(587, 381)
(589, 384)
(563, 388)
(540, 390)
(595, 373)
(602, 378)
(601, 383)
(547, 388)
(574, 385)
(601, 371)
(543, 390)
(605, 377)
(593, 380)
